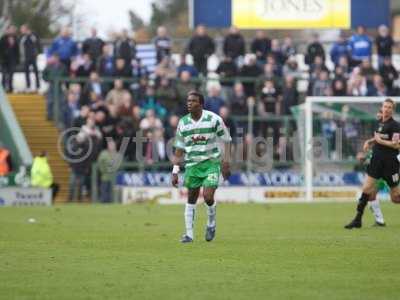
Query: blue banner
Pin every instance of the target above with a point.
(273, 178)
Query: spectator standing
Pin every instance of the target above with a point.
(163, 44)
(167, 95)
(29, 48)
(238, 101)
(313, 50)
(54, 69)
(360, 45)
(85, 67)
(227, 71)
(65, 47)
(225, 114)
(339, 49)
(116, 95)
(384, 44)
(322, 86)
(108, 162)
(201, 46)
(41, 175)
(234, 45)
(183, 87)
(125, 47)
(9, 57)
(93, 46)
(261, 46)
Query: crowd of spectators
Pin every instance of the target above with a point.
(120, 97)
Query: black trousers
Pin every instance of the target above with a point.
(8, 70)
(31, 63)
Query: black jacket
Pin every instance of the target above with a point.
(29, 47)
(261, 45)
(9, 49)
(234, 45)
(200, 47)
(384, 45)
(163, 47)
(125, 49)
(93, 47)
(313, 50)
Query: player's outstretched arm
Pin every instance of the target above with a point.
(175, 170)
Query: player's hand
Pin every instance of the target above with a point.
(175, 180)
(366, 146)
(226, 170)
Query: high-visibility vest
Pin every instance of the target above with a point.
(4, 167)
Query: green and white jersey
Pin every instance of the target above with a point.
(200, 139)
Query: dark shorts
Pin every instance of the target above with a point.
(386, 168)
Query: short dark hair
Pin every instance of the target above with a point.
(391, 101)
(198, 95)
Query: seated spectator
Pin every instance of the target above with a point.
(227, 71)
(276, 53)
(108, 163)
(388, 73)
(153, 129)
(276, 66)
(150, 102)
(261, 46)
(378, 88)
(138, 70)
(238, 101)
(166, 68)
(313, 50)
(252, 71)
(291, 68)
(290, 95)
(41, 175)
(234, 45)
(121, 70)
(125, 109)
(288, 49)
(339, 87)
(85, 66)
(5, 160)
(340, 48)
(269, 74)
(184, 66)
(315, 69)
(360, 45)
(170, 129)
(167, 95)
(80, 120)
(105, 65)
(344, 64)
(94, 85)
(268, 99)
(54, 69)
(72, 110)
(384, 44)
(183, 87)
(225, 114)
(357, 85)
(322, 86)
(116, 95)
(214, 102)
(367, 70)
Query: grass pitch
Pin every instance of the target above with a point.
(293, 251)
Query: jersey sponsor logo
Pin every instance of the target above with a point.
(199, 139)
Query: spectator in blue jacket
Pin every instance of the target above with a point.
(65, 47)
(214, 102)
(184, 66)
(339, 49)
(360, 45)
